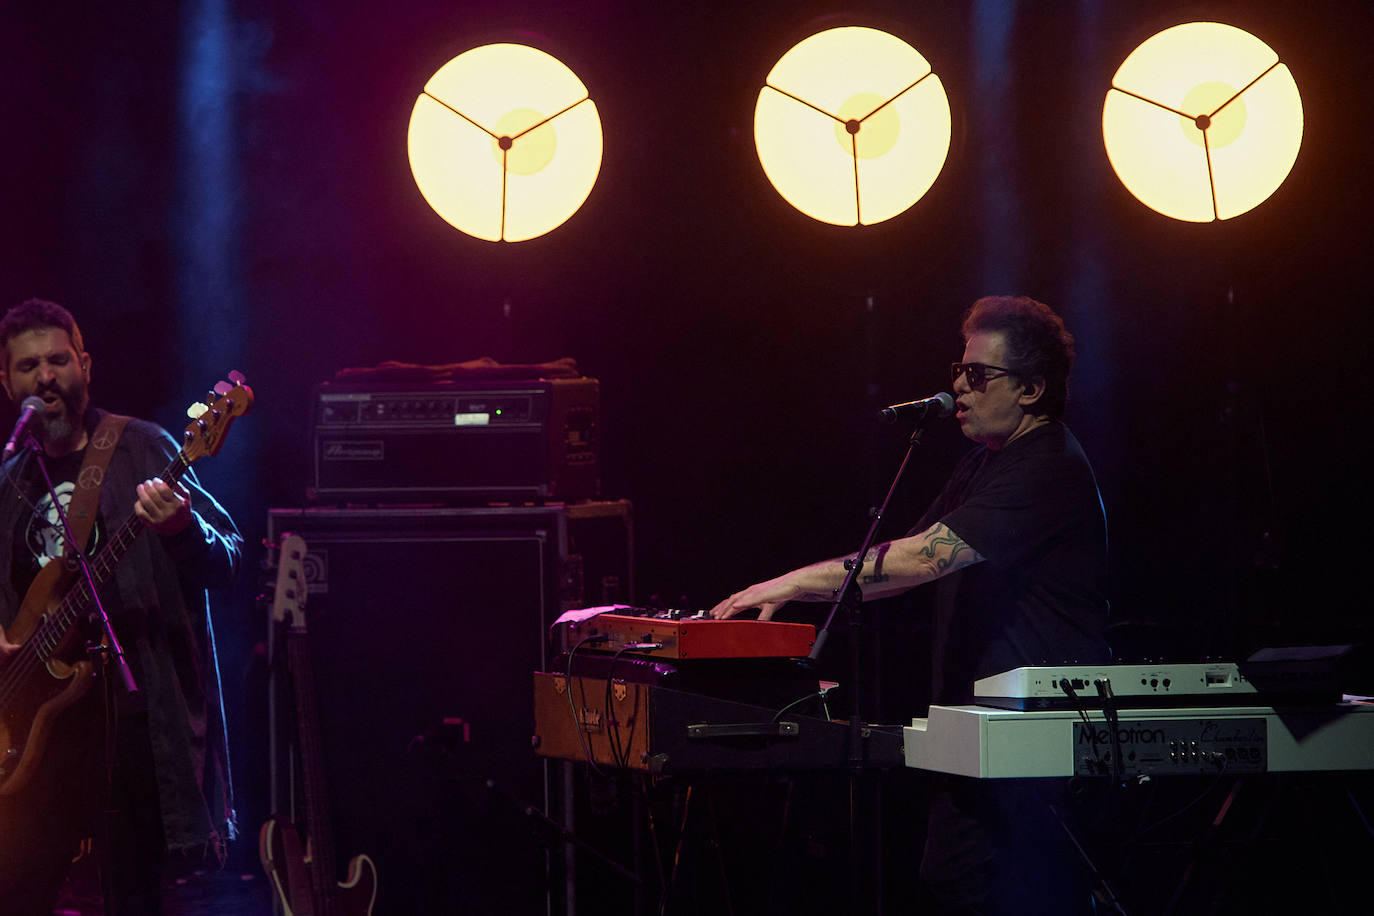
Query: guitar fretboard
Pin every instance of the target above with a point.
(53, 630)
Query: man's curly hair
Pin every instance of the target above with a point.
(1038, 344)
(36, 314)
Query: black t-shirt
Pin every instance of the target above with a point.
(1032, 510)
(38, 534)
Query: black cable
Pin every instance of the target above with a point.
(1109, 896)
(1082, 709)
(611, 725)
(619, 754)
(9, 467)
(1359, 812)
(1104, 692)
(1077, 701)
(1139, 834)
(816, 695)
(572, 705)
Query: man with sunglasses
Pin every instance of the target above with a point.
(1018, 543)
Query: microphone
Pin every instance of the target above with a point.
(29, 412)
(940, 405)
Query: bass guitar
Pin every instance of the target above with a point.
(50, 671)
(303, 873)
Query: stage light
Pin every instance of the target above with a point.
(852, 126)
(1203, 122)
(505, 142)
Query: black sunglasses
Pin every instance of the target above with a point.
(978, 373)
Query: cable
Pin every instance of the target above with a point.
(9, 467)
(1109, 896)
(817, 695)
(620, 755)
(1104, 692)
(572, 705)
(1082, 709)
(1358, 811)
(1078, 705)
(1221, 773)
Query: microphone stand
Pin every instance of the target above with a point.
(73, 549)
(849, 596)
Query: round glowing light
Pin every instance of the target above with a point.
(505, 142)
(852, 126)
(1203, 122)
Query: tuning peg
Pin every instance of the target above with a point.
(237, 377)
(196, 410)
(222, 388)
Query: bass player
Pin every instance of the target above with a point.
(155, 760)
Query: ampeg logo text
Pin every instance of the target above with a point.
(367, 450)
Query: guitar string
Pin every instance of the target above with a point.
(52, 628)
(27, 658)
(80, 591)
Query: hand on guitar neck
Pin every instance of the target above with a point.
(164, 508)
(6, 647)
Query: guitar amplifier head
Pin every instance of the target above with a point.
(470, 442)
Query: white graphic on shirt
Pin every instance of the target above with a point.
(44, 534)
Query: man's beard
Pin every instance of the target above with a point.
(66, 426)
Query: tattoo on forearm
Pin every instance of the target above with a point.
(945, 548)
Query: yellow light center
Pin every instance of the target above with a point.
(1206, 98)
(877, 135)
(529, 152)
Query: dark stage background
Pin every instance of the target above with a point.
(213, 185)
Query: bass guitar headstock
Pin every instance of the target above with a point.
(211, 419)
(288, 600)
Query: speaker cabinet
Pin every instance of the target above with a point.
(425, 626)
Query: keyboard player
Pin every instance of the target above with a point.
(1016, 545)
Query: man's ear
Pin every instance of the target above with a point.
(1030, 393)
(85, 360)
(5, 381)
